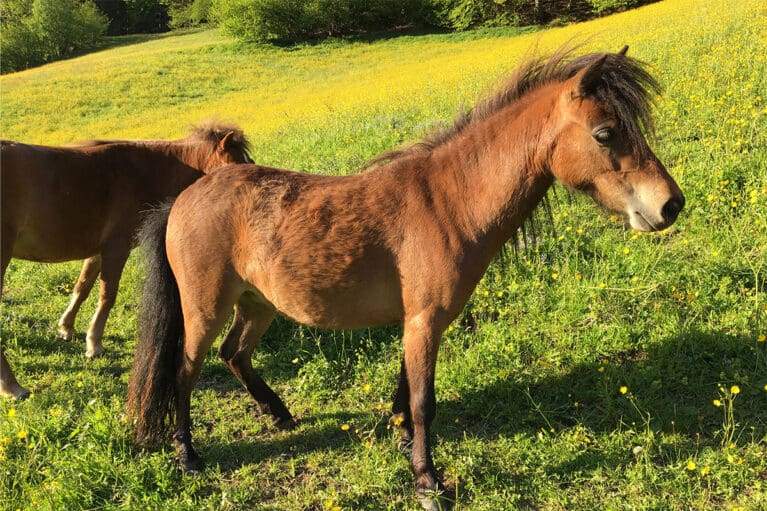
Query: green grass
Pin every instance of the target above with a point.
(530, 410)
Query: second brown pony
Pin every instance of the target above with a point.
(404, 242)
(85, 201)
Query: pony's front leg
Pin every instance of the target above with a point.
(421, 339)
(112, 263)
(9, 387)
(83, 286)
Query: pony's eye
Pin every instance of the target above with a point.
(604, 135)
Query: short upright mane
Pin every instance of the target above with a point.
(215, 131)
(625, 87)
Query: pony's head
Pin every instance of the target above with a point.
(219, 144)
(599, 144)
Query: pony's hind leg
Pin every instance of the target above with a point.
(83, 286)
(206, 306)
(251, 320)
(112, 263)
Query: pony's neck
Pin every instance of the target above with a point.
(499, 165)
(191, 154)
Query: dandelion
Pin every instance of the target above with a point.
(554, 276)
(626, 250)
(22, 434)
(601, 369)
(761, 338)
(717, 403)
(691, 466)
(345, 427)
(11, 413)
(734, 390)
(366, 387)
(602, 285)
(705, 470)
(623, 389)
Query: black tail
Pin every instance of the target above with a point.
(152, 388)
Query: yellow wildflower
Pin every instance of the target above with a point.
(691, 466)
(624, 389)
(734, 390)
(345, 427)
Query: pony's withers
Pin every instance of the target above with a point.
(85, 202)
(405, 242)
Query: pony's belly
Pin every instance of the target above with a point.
(52, 250)
(353, 307)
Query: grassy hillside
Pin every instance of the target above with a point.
(607, 369)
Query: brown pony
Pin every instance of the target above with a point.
(86, 201)
(404, 242)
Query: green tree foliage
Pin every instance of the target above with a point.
(37, 31)
(601, 6)
(260, 20)
(293, 20)
(117, 13)
(189, 13)
(147, 16)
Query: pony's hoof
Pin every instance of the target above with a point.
(405, 446)
(434, 500)
(16, 392)
(94, 351)
(66, 333)
(191, 466)
(284, 424)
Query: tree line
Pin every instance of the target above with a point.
(37, 31)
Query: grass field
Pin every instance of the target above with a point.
(607, 369)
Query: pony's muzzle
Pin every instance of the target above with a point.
(670, 210)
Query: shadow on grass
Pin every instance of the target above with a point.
(317, 432)
(672, 382)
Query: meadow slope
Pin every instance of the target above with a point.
(604, 369)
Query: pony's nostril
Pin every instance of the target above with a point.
(671, 209)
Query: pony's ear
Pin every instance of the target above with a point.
(226, 141)
(588, 78)
(623, 51)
